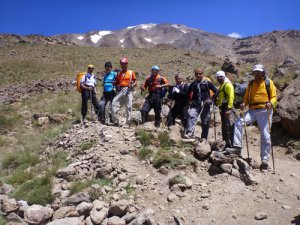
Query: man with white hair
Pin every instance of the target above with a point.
(261, 98)
(225, 103)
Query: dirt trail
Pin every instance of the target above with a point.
(219, 199)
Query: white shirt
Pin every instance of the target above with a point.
(91, 82)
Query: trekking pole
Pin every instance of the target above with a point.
(246, 133)
(215, 128)
(91, 105)
(272, 152)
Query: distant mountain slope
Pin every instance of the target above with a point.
(270, 47)
(265, 48)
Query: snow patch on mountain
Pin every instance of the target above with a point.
(122, 40)
(80, 37)
(180, 28)
(142, 26)
(96, 37)
(148, 39)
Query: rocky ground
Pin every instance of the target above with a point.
(142, 194)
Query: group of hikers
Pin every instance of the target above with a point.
(189, 102)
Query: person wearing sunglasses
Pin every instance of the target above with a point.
(261, 98)
(199, 104)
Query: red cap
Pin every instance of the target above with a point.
(124, 60)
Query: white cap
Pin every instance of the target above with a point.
(220, 74)
(259, 67)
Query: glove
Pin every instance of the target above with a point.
(175, 90)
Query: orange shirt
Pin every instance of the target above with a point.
(152, 82)
(123, 79)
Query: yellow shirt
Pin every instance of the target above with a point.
(226, 95)
(259, 95)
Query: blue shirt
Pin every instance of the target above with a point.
(107, 81)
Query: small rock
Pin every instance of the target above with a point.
(116, 221)
(205, 195)
(77, 198)
(206, 206)
(6, 189)
(84, 208)
(172, 197)
(226, 167)
(163, 170)
(124, 151)
(261, 216)
(97, 216)
(287, 207)
(43, 120)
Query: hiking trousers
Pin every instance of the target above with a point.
(152, 101)
(180, 111)
(261, 116)
(193, 113)
(105, 106)
(227, 125)
(123, 97)
(87, 95)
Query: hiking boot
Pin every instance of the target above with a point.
(83, 121)
(234, 150)
(264, 165)
(188, 136)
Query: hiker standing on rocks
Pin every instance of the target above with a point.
(87, 84)
(199, 104)
(155, 84)
(178, 94)
(108, 93)
(125, 82)
(225, 103)
(261, 98)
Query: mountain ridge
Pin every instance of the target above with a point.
(269, 47)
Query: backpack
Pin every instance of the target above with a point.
(239, 93)
(240, 90)
(78, 80)
(211, 93)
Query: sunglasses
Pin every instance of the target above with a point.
(198, 73)
(258, 72)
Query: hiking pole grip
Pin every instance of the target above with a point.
(272, 152)
(246, 133)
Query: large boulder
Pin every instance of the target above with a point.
(66, 211)
(175, 135)
(8, 204)
(202, 150)
(67, 221)
(119, 208)
(37, 214)
(289, 108)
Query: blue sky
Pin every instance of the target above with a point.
(243, 17)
